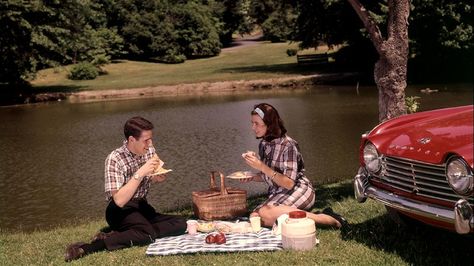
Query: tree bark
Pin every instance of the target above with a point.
(390, 71)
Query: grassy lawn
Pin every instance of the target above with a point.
(372, 239)
(262, 61)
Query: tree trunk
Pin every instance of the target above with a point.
(391, 69)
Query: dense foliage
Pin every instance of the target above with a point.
(42, 33)
(442, 40)
(165, 31)
(440, 32)
(37, 34)
(276, 18)
(31, 35)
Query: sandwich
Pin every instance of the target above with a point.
(159, 170)
(238, 175)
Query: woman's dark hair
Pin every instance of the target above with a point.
(135, 125)
(271, 118)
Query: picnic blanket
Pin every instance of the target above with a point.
(264, 240)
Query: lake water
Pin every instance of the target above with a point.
(52, 155)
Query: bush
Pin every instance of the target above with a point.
(412, 104)
(291, 52)
(173, 58)
(83, 71)
(100, 61)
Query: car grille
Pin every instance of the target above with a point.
(423, 179)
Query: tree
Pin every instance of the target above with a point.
(276, 18)
(231, 18)
(390, 71)
(334, 22)
(39, 34)
(167, 31)
(441, 41)
(29, 38)
(196, 34)
(87, 34)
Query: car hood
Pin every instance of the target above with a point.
(427, 136)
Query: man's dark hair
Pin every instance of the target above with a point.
(271, 118)
(135, 125)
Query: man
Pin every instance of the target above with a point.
(128, 175)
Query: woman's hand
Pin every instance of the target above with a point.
(253, 161)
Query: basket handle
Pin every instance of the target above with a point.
(212, 185)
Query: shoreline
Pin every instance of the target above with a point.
(193, 89)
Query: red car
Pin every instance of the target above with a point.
(421, 166)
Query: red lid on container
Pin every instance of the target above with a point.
(297, 214)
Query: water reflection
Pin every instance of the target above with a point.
(52, 155)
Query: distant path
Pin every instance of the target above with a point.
(244, 42)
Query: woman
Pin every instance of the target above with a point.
(282, 168)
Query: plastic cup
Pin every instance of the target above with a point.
(255, 223)
(192, 227)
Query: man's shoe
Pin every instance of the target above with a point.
(338, 217)
(74, 251)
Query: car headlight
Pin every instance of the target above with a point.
(371, 158)
(459, 176)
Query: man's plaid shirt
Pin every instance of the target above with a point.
(120, 166)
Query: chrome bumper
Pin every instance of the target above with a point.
(461, 216)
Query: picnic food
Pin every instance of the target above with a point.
(218, 238)
(223, 227)
(233, 228)
(248, 153)
(210, 239)
(205, 227)
(238, 174)
(159, 170)
(241, 228)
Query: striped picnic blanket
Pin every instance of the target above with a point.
(183, 244)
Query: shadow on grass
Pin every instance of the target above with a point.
(56, 89)
(327, 195)
(415, 243)
(290, 68)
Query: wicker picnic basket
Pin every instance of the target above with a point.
(219, 204)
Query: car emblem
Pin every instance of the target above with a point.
(424, 140)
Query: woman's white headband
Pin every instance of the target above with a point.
(259, 112)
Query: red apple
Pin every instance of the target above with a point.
(220, 238)
(210, 239)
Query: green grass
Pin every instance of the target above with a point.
(373, 239)
(262, 61)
